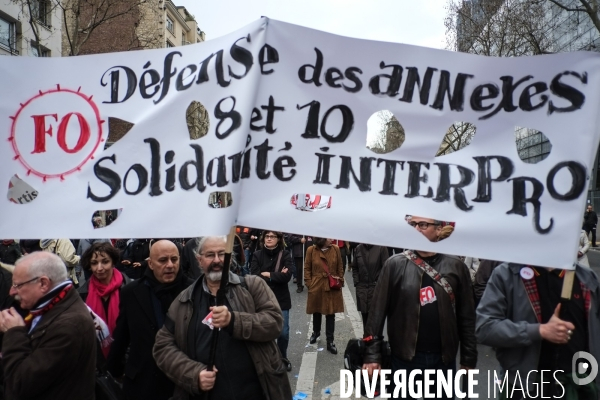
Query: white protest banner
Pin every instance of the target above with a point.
(288, 111)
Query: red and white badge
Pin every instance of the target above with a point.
(208, 320)
(427, 295)
(526, 273)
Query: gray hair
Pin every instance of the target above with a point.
(43, 263)
(204, 239)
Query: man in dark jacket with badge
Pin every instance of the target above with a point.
(422, 294)
(248, 365)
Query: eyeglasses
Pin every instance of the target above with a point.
(422, 224)
(211, 256)
(18, 285)
(270, 236)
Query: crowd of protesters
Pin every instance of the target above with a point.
(144, 311)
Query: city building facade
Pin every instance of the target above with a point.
(559, 30)
(30, 28)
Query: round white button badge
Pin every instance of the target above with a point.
(526, 273)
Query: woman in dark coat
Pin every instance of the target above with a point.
(368, 261)
(275, 265)
(101, 292)
(321, 299)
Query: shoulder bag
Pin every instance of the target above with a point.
(334, 283)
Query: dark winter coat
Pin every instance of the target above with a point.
(57, 360)
(298, 248)
(10, 252)
(265, 260)
(138, 251)
(320, 298)
(367, 263)
(136, 330)
(189, 262)
(590, 218)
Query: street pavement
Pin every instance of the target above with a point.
(316, 372)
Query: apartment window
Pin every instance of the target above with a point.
(183, 42)
(8, 35)
(41, 11)
(39, 51)
(170, 25)
(169, 44)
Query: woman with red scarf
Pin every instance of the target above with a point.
(101, 291)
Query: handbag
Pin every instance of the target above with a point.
(107, 387)
(334, 283)
(353, 359)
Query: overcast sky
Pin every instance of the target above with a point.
(419, 22)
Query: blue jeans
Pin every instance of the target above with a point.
(246, 267)
(424, 361)
(284, 338)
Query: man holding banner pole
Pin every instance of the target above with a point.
(545, 326)
(248, 364)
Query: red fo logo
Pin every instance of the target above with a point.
(56, 132)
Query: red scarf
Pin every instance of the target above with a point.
(96, 291)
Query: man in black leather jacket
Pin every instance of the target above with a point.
(425, 331)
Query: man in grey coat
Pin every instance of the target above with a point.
(521, 315)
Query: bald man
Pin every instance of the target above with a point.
(143, 307)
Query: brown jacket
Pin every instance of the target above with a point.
(257, 320)
(320, 298)
(57, 360)
(396, 299)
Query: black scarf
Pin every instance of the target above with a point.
(164, 292)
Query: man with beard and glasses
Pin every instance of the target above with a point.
(142, 310)
(51, 354)
(248, 364)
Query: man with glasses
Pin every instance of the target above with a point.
(51, 353)
(248, 364)
(419, 307)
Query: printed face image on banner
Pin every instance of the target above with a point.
(259, 129)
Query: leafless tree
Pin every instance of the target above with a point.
(501, 28)
(81, 18)
(389, 134)
(458, 136)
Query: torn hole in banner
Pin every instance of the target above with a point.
(458, 136)
(384, 133)
(434, 230)
(117, 129)
(310, 202)
(103, 218)
(220, 200)
(197, 119)
(532, 145)
(20, 192)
